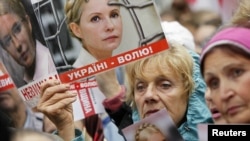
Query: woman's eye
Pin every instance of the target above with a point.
(17, 28)
(95, 19)
(213, 83)
(237, 72)
(114, 15)
(140, 87)
(165, 85)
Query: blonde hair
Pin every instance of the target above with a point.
(145, 130)
(73, 10)
(12, 7)
(242, 13)
(176, 58)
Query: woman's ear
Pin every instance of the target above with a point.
(75, 29)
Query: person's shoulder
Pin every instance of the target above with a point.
(84, 58)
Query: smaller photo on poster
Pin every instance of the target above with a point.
(157, 127)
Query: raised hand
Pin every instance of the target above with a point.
(56, 103)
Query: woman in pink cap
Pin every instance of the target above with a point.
(225, 66)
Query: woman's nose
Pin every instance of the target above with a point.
(109, 24)
(226, 90)
(16, 42)
(151, 94)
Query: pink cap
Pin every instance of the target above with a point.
(236, 36)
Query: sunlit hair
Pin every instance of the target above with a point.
(176, 58)
(12, 7)
(145, 130)
(242, 14)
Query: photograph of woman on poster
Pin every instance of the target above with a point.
(97, 26)
(156, 127)
(95, 30)
(17, 40)
(149, 132)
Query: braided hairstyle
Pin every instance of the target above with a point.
(73, 10)
(145, 130)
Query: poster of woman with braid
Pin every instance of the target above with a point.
(91, 36)
(158, 126)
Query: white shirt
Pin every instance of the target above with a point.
(44, 63)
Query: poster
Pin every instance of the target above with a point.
(6, 82)
(59, 55)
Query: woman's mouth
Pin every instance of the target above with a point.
(148, 113)
(215, 113)
(111, 38)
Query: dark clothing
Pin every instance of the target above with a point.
(5, 123)
(123, 117)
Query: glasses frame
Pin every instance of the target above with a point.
(14, 33)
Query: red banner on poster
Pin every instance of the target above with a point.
(115, 61)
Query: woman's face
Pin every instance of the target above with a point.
(228, 78)
(16, 39)
(159, 90)
(100, 26)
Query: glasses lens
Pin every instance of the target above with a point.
(17, 28)
(6, 41)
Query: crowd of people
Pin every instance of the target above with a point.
(202, 78)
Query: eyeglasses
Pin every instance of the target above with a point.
(16, 30)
